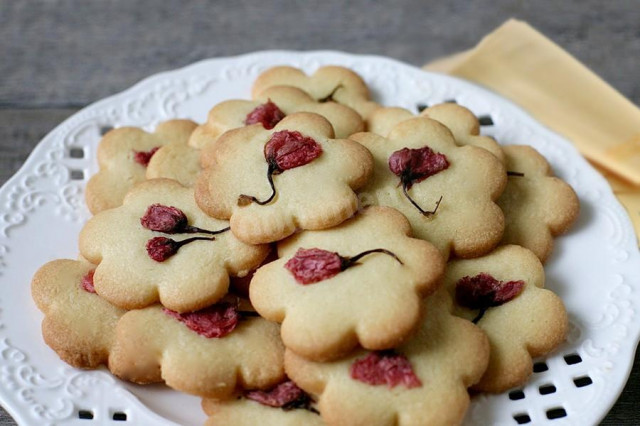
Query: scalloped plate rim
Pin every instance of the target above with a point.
(628, 350)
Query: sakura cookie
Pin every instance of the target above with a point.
(448, 192)
(424, 381)
(268, 108)
(283, 405)
(361, 282)
(269, 183)
(183, 162)
(78, 324)
(123, 156)
(537, 206)
(503, 293)
(329, 83)
(160, 247)
(212, 353)
(462, 123)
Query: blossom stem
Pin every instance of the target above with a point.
(420, 209)
(349, 261)
(244, 200)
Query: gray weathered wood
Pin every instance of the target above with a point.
(59, 55)
(58, 52)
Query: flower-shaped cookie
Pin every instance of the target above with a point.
(158, 246)
(537, 206)
(503, 293)
(424, 381)
(284, 405)
(446, 191)
(78, 325)
(182, 162)
(268, 108)
(359, 283)
(328, 83)
(212, 353)
(464, 125)
(272, 182)
(123, 156)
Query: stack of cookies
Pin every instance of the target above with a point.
(311, 257)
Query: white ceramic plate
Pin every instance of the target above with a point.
(595, 268)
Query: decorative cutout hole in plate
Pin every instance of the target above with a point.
(547, 389)
(539, 367)
(119, 416)
(516, 395)
(105, 129)
(450, 101)
(556, 413)
(583, 381)
(77, 174)
(522, 418)
(76, 152)
(85, 414)
(421, 107)
(485, 120)
(572, 359)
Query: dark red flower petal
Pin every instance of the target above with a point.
(165, 219)
(161, 248)
(290, 149)
(87, 282)
(143, 157)
(483, 291)
(284, 394)
(507, 291)
(415, 165)
(385, 368)
(212, 322)
(267, 114)
(309, 266)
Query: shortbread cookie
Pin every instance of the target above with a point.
(271, 182)
(78, 324)
(447, 192)
(183, 162)
(328, 83)
(361, 282)
(210, 353)
(158, 246)
(284, 405)
(268, 108)
(123, 156)
(464, 125)
(503, 293)
(422, 382)
(537, 206)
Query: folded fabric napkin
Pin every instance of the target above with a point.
(523, 65)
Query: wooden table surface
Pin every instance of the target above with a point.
(57, 56)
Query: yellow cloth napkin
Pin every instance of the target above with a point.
(521, 64)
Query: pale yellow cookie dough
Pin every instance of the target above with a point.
(447, 354)
(530, 325)
(317, 195)
(375, 303)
